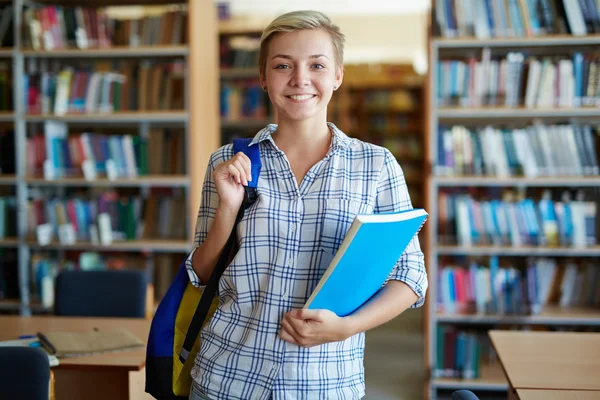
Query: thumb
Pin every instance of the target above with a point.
(303, 314)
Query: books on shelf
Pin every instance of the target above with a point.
(364, 260)
(515, 221)
(512, 75)
(385, 101)
(6, 84)
(45, 263)
(57, 154)
(243, 99)
(7, 26)
(8, 217)
(461, 353)
(105, 217)
(72, 71)
(106, 87)
(518, 79)
(515, 18)
(509, 288)
(532, 151)
(239, 51)
(404, 148)
(56, 27)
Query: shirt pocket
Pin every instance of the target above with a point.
(337, 219)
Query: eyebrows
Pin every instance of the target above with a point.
(288, 57)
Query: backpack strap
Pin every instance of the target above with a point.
(253, 152)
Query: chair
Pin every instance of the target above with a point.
(464, 395)
(111, 293)
(24, 373)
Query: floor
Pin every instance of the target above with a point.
(394, 359)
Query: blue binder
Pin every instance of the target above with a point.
(365, 259)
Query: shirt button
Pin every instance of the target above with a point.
(289, 262)
(293, 228)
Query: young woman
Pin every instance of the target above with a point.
(261, 344)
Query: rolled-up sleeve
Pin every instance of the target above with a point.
(392, 196)
(208, 207)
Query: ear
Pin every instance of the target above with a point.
(339, 76)
(262, 77)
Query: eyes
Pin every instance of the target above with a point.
(287, 66)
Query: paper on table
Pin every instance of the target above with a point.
(75, 344)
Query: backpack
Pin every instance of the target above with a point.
(174, 338)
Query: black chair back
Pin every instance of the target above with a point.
(24, 373)
(464, 395)
(110, 293)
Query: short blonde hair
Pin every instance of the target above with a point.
(297, 21)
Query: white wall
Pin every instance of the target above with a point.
(337, 7)
(376, 30)
(388, 38)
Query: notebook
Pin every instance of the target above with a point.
(76, 344)
(365, 259)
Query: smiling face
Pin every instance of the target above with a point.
(300, 74)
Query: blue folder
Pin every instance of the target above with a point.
(365, 259)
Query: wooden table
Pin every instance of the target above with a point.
(549, 361)
(119, 375)
(535, 394)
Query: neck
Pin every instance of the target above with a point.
(301, 136)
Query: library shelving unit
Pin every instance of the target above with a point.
(196, 118)
(491, 382)
(383, 103)
(245, 107)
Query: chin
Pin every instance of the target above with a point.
(299, 116)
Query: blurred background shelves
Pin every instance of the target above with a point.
(551, 315)
(113, 51)
(527, 42)
(166, 246)
(512, 146)
(101, 125)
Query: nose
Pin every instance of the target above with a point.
(300, 77)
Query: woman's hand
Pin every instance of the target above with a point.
(309, 328)
(230, 178)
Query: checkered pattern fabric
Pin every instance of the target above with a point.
(286, 241)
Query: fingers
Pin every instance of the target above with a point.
(285, 336)
(247, 163)
(238, 168)
(295, 327)
(234, 173)
(292, 331)
(288, 333)
(304, 314)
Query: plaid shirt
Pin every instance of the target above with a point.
(286, 240)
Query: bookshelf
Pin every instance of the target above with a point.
(197, 133)
(481, 79)
(383, 103)
(245, 108)
(117, 117)
(113, 51)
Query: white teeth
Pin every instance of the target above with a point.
(302, 97)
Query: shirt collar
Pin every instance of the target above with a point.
(340, 139)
